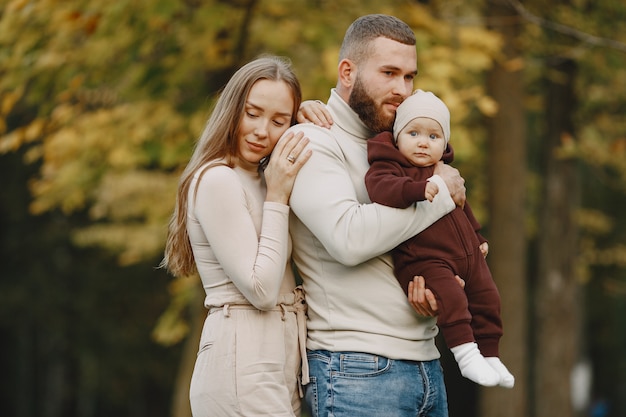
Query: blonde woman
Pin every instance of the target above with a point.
(230, 225)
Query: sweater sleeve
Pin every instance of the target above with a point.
(386, 180)
(387, 184)
(255, 264)
(330, 199)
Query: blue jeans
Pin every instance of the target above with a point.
(349, 384)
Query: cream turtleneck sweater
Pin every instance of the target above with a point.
(341, 243)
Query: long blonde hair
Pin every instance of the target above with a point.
(218, 142)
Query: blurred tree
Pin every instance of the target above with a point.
(72, 321)
(558, 301)
(507, 166)
(575, 52)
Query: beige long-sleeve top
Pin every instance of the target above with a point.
(240, 242)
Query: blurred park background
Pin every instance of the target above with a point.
(100, 105)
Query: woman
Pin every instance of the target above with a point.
(230, 225)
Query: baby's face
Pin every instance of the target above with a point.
(422, 142)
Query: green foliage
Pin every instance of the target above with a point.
(589, 33)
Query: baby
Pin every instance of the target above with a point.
(401, 164)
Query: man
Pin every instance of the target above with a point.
(370, 353)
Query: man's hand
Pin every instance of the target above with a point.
(454, 182)
(422, 299)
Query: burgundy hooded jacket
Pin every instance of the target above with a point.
(449, 247)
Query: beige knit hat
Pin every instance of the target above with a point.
(422, 104)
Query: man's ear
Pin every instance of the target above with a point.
(347, 73)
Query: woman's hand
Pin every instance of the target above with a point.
(287, 158)
(315, 112)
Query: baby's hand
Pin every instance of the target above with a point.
(431, 190)
(484, 248)
(314, 111)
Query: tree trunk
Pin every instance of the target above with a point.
(506, 232)
(557, 297)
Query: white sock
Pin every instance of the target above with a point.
(473, 365)
(507, 380)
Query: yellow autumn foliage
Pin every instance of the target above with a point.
(108, 98)
(118, 88)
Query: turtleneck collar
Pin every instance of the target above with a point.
(346, 119)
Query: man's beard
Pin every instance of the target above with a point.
(369, 113)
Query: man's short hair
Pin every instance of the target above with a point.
(365, 29)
